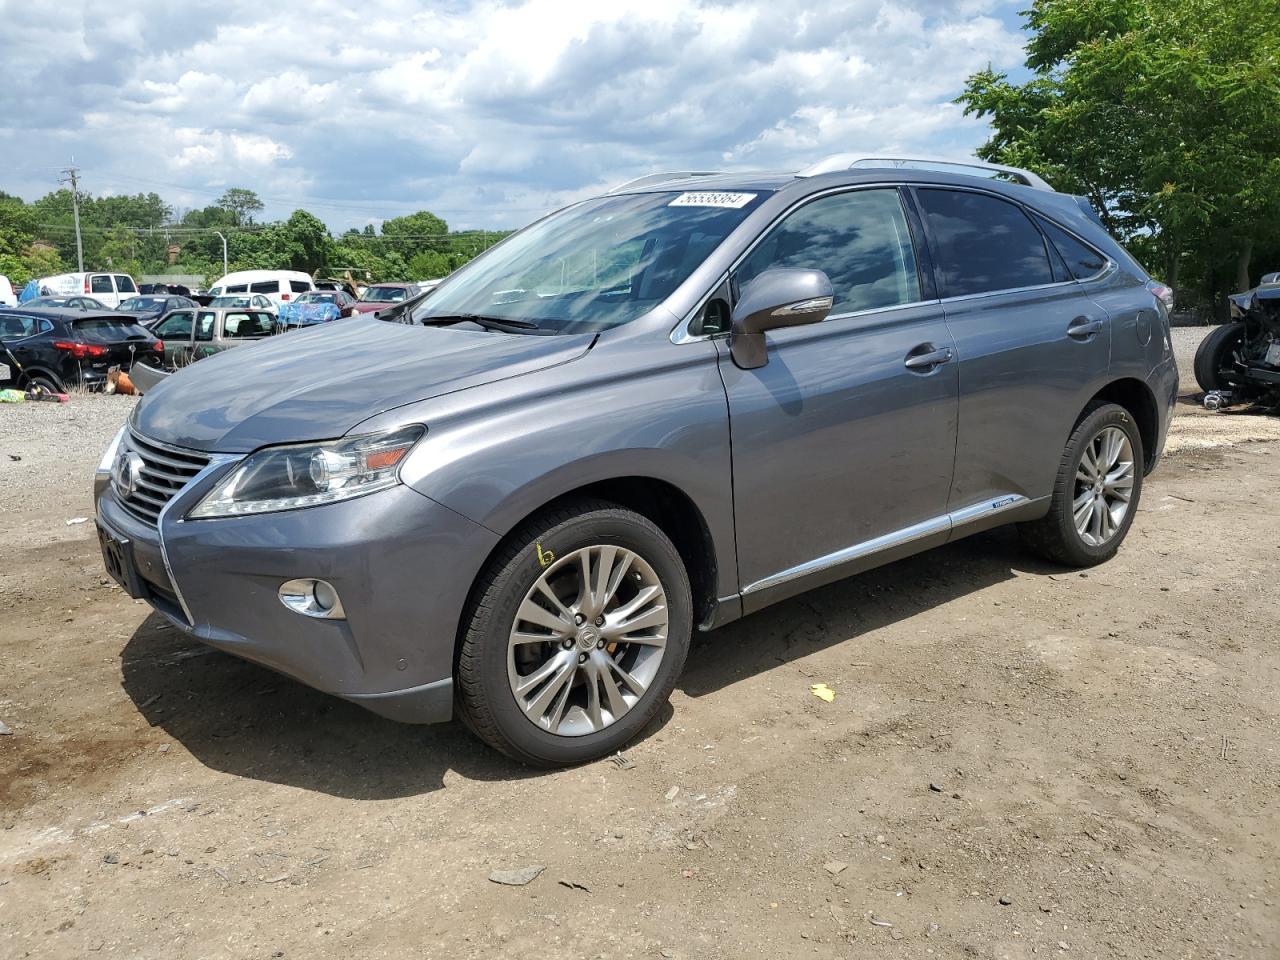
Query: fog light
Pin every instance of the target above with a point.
(312, 598)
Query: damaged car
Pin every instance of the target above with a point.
(1239, 362)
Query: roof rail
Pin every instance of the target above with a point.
(851, 161)
(661, 178)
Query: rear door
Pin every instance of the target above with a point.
(102, 290)
(21, 347)
(1032, 345)
(843, 442)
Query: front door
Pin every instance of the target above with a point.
(844, 442)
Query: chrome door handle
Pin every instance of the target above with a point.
(927, 361)
(1082, 328)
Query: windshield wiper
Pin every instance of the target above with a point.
(489, 323)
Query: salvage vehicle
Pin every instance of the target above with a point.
(151, 307)
(58, 348)
(382, 295)
(654, 411)
(1239, 362)
(108, 288)
(191, 335)
(318, 306)
(280, 286)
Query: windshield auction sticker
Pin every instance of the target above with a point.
(729, 201)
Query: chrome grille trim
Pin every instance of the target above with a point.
(165, 472)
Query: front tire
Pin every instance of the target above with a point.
(1096, 493)
(575, 637)
(1213, 363)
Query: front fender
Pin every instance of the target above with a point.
(498, 453)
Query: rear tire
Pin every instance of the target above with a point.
(1213, 356)
(608, 654)
(48, 383)
(1096, 493)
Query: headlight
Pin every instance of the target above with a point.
(109, 458)
(286, 478)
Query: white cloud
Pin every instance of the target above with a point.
(487, 112)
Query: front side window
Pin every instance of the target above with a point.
(596, 265)
(100, 285)
(859, 239)
(176, 326)
(982, 243)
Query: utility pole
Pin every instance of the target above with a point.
(224, 251)
(72, 173)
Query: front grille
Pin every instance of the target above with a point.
(165, 471)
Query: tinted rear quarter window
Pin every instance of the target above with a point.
(298, 286)
(1082, 260)
(238, 288)
(107, 328)
(264, 286)
(982, 243)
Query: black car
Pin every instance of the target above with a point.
(150, 308)
(72, 303)
(57, 348)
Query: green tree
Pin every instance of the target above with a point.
(1162, 112)
(241, 204)
(415, 233)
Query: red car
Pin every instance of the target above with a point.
(382, 295)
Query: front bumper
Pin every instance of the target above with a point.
(402, 564)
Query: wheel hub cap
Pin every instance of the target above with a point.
(587, 640)
(1104, 486)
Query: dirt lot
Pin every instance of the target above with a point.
(1100, 750)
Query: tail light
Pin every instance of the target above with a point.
(86, 283)
(158, 346)
(1163, 293)
(284, 296)
(79, 350)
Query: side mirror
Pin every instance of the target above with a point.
(781, 297)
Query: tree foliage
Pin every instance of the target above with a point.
(1166, 114)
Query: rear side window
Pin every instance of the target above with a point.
(125, 284)
(246, 325)
(264, 286)
(238, 288)
(15, 328)
(860, 239)
(100, 285)
(298, 286)
(983, 244)
(204, 325)
(1082, 260)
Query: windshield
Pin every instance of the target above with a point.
(383, 294)
(229, 302)
(595, 265)
(144, 303)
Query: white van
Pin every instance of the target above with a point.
(7, 297)
(280, 286)
(107, 288)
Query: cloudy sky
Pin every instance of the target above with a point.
(488, 113)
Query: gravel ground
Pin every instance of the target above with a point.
(1020, 762)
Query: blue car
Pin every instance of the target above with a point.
(315, 306)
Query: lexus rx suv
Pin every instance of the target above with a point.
(649, 413)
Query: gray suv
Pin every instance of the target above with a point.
(651, 412)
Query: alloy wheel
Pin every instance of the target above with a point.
(587, 640)
(1104, 486)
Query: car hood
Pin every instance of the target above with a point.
(319, 383)
(369, 306)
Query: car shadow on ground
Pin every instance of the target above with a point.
(245, 720)
(848, 610)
